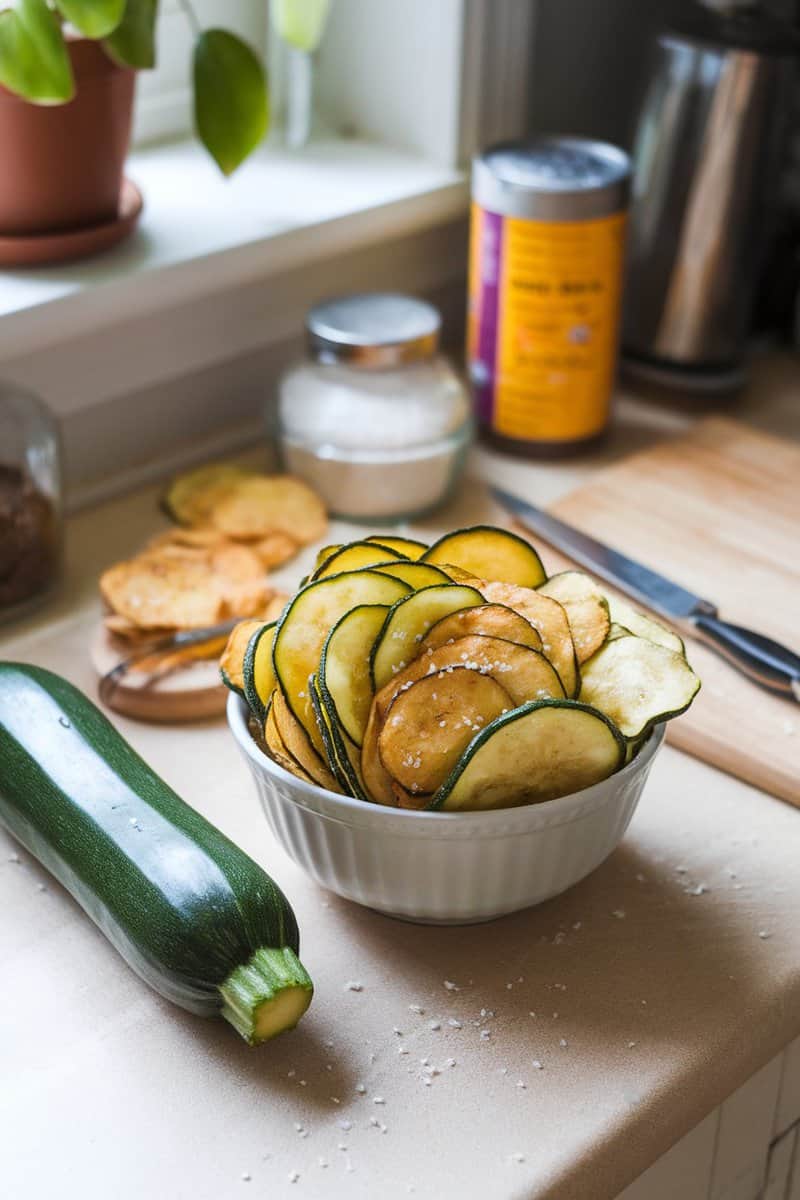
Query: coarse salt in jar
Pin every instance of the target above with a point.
(376, 419)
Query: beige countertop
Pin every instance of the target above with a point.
(647, 993)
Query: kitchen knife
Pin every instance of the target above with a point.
(761, 659)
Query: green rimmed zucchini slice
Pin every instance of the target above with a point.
(586, 608)
(638, 683)
(409, 621)
(353, 557)
(617, 631)
(430, 724)
(417, 575)
(408, 547)
(643, 626)
(344, 758)
(489, 553)
(306, 622)
(231, 663)
(534, 753)
(298, 744)
(258, 672)
(487, 620)
(549, 619)
(325, 553)
(345, 679)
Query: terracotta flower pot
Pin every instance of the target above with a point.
(63, 163)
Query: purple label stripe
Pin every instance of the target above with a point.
(483, 367)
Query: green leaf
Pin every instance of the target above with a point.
(133, 42)
(33, 58)
(93, 18)
(301, 23)
(231, 106)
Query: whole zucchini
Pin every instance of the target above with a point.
(188, 910)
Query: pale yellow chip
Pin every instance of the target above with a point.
(199, 538)
(259, 505)
(192, 497)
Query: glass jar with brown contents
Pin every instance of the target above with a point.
(30, 500)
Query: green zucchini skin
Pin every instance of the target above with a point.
(181, 903)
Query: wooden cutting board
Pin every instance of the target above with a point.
(717, 510)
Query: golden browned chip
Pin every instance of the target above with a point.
(124, 627)
(237, 564)
(163, 662)
(259, 505)
(248, 599)
(153, 593)
(274, 549)
(199, 538)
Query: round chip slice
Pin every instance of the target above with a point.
(431, 723)
(537, 752)
(259, 505)
(192, 497)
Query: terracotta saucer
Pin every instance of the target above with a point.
(29, 250)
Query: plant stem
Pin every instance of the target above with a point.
(191, 17)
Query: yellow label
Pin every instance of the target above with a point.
(558, 319)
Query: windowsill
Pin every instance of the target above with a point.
(200, 233)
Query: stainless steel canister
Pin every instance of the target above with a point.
(548, 225)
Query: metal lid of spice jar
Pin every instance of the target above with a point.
(373, 330)
(552, 179)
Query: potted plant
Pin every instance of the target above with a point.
(67, 73)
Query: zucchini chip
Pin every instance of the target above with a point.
(258, 672)
(231, 663)
(298, 744)
(416, 574)
(549, 618)
(537, 752)
(586, 608)
(278, 751)
(192, 497)
(377, 780)
(407, 547)
(489, 620)
(524, 673)
(642, 626)
(345, 680)
(353, 557)
(306, 623)
(409, 621)
(429, 726)
(490, 554)
(638, 683)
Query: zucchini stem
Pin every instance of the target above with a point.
(266, 995)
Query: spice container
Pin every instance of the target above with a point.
(376, 419)
(30, 500)
(548, 224)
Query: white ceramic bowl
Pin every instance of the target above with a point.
(444, 868)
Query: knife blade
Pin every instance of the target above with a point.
(661, 594)
(763, 660)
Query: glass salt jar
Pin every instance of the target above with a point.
(30, 501)
(376, 419)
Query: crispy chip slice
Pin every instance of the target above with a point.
(154, 593)
(274, 549)
(259, 505)
(237, 564)
(192, 498)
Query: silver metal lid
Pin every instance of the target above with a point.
(373, 330)
(552, 179)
